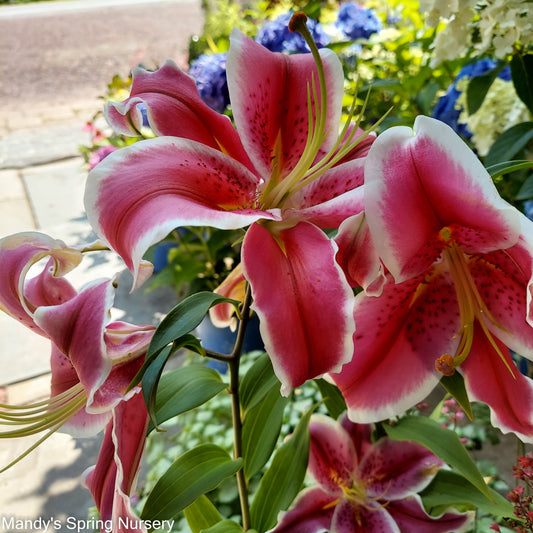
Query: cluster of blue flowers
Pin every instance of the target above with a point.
(446, 109)
(276, 36)
(356, 22)
(209, 72)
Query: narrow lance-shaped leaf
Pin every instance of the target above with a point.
(196, 472)
(500, 169)
(184, 389)
(479, 86)
(522, 75)
(509, 143)
(153, 372)
(283, 480)
(443, 442)
(260, 432)
(333, 399)
(257, 382)
(201, 514)
(451, 489)
(455, 385)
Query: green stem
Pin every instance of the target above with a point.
(234, 363)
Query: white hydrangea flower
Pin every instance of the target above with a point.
(500, 24)
(500, 110)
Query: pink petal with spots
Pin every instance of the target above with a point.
(393, 470)
(361, 434)
(399, 336)
(502, 279)
(268, 93)
(328, 201)
(302, 299)
(126, 342)
(411, 517)
(112, 480)
(77, 329)
(371, 518)
(489, 380)
(175, 108)
(18, 253)
(139, 194)
(358, 257)
(419, 181)
(332, 458)
(311, 512)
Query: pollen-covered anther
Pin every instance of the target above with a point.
(445, 234)
(445, 365)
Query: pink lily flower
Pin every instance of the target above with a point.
(92, 361)
(364, 486)
(286, 170)
(457, 289)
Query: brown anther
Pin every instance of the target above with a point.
(444, 364)
(297, 20)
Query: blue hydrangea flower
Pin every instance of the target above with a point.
(445, 108)
(528, 209)
(276, 36)
(209, 72)
(357, 22)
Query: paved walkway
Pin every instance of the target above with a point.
(42, 179)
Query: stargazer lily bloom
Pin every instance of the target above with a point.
(286, 170)
(457, 291)
(92, 361)
(364, 486)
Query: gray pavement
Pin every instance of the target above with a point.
(42, 179)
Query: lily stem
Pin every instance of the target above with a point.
(234, 363)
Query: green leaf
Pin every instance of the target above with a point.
(333, 398)
(455, 385)
(500, 169)
(449, 489)
(261, 428)
(184, 318)
(479, 86)
(283, 480)
(201, 514)
(226, 526)
(443, 442)
(184, 389)
(196, 472)
(152, 374)
(526, 191)
(509, 143)
(522, 75)
(257, 382)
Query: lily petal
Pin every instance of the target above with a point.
(112, 480)
(18, 253)
(358, 257)
(268, 107)
(137, 195)
(371, 518)
(302, 299)
(332, 198)
(398, 338)
(416, 184)
(223, 315)
(311, 512)
(77, 329)
(411, 517)
(175, 108)
(332, 457)
(393, 470)
(488, 379)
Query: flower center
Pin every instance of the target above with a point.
(49, 415)
(472, 309)
(278, 191)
